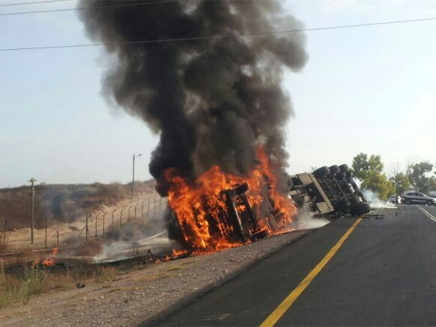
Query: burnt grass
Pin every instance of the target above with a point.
(62, 203)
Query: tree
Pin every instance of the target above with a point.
(401, 182)
(379, 183)
(363, 166)
(418, 175)
(369, 170)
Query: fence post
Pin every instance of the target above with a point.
(121, 216)
(57, 239)
(148, 208)
(45, 234)
(154, 204)
(128, 211)
(142, 208)
(160, 204)
(87, 227)
(136, 206)
(96, 224)
(4, 231)
(104, 215)
(113, 212)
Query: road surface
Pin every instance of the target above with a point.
(384, 273)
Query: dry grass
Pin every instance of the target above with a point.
(3, 248)
(20, 287)
(14, 289)
(61, 203)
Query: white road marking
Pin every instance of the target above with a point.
(428, 214)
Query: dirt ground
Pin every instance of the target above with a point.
(143, 294)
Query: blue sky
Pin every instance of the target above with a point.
(363, 90)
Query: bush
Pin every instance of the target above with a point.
(13, 288)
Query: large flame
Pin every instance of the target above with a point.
(199, 208)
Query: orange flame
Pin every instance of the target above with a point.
(199, 208)
(50, 262)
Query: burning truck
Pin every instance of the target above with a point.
(239, 214)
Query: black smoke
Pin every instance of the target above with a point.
(212, 100)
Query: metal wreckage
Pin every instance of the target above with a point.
(327, 192)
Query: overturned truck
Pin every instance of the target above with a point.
(327, 192)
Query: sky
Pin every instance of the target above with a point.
(368, 89)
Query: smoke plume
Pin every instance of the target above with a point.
(211, 88)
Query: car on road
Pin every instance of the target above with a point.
(432, 194)
(393, 199)
(418, 198)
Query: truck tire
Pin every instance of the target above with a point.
(334, 170)
(354, 200)
(241, 189)
(344, 168)
(298, 200)
(361, 209)
(321, 172)
(343, 204)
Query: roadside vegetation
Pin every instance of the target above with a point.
(369, 170)
(22, 284)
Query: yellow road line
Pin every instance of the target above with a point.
(289, 301)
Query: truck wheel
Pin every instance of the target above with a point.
(298, 200)
(334, 170)
(344, 168)
(354, 200)
(343, 204)
(321, 172)
(241, 189)
(361, 209)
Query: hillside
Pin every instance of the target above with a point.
(61, 203)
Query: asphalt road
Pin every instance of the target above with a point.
(384, 274)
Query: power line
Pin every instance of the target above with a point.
(54, 1)
(50, 2)
(32, 3)
(155, 2)
(207, 37)
(152, 2)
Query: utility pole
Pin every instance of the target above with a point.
(32, 221)
(133, 173)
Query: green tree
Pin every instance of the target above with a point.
(369, 170)
(401, 182)
(379, 183)
(419, 176)
(364, 166)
